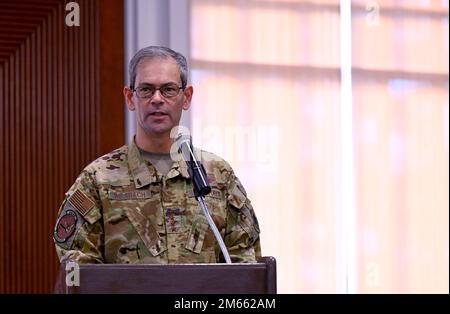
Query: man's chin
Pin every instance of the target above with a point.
(157, 131)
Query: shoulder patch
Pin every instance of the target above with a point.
(82, 203)
(66, 226)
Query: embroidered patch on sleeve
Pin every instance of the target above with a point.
(68, 223)
(81, 202)
(65, 226)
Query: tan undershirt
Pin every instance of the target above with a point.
(162, 162)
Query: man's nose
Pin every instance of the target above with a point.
(157, 98)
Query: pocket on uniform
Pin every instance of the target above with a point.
(197, 234)
(246, 217)
(146, 231)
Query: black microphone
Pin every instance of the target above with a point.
(195, 168)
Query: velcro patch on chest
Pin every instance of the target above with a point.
(215, 193)
(129, 195)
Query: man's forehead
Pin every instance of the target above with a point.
(158, 67)
(157, 61)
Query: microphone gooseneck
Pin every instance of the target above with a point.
(201, 186)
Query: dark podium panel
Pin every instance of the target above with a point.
(238, 278)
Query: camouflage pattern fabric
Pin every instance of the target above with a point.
(121, 210)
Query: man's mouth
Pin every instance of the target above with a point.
(158, 114)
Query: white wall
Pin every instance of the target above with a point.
(149, 23)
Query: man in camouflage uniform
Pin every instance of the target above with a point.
(136, 204)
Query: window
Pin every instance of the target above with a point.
(267, 99)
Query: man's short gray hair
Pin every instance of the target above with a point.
(152, 52)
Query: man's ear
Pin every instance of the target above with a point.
(128, 94)
(188, 91)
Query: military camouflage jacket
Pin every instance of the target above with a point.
(122, 210)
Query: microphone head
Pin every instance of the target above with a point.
(185, 148)
(183, 138)
(195, 169)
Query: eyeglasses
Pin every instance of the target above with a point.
(166, 90)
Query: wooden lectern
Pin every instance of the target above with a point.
(239, 278)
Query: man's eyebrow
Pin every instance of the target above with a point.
(144, 84)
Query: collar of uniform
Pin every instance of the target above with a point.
(178, 167)
(138, 168)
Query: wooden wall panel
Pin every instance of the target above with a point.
(61, 106)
